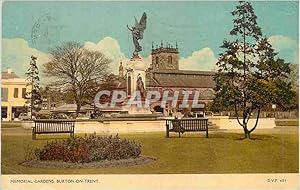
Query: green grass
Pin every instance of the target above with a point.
(287, 122)
(10, 125)
(220, 153)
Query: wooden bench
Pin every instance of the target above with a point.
(186, 125)
(51, 126)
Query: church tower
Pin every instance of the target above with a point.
(165, 57)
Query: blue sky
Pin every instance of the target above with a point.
(198, 27)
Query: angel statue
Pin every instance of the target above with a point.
(140, 86)
(137, 32)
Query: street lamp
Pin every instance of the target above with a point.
(274, 107)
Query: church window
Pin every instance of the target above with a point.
(170, 60)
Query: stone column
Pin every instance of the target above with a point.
(9, 112)
(136, 67)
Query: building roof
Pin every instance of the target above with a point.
(182, 78)
(8, 75)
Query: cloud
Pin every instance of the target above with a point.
(203, 59)
(111, 48)
(147, 61)
(280, 42)
(16, 55)
(286, 47)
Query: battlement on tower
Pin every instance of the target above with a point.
(168, 48)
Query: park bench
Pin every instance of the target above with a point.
(51, 126)
(186, 125)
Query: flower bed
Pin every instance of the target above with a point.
(90, 148)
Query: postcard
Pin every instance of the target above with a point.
(150, 95)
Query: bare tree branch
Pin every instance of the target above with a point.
(74, 67)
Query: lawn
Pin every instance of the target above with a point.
(222, 152)
(287, 122)
(10, 124)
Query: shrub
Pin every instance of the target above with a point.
(89, 148)
(28, 152)
(43, 116)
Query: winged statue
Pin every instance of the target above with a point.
(137, 32)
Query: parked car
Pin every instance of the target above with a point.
(96, 115)
(188, 115)
(3, 114)
(59, 116)
(43, 116)
(24, 116)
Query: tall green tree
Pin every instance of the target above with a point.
(249, 75)
(33, 97)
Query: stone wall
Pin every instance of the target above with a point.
(266, 114)
(224, 122)
(113, 127)
(134, 126)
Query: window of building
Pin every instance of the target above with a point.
(170, 60)
(23, 92)
(52, 106)
(44, 98)
(4, 94)
(16, 91)
(156, 62)
(44, 106)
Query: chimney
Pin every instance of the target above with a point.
(9, 70)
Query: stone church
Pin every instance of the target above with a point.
(164, 74)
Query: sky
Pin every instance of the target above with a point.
(199, 27)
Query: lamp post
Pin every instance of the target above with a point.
(274, 108)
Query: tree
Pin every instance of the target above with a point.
(294, 80)
(33, 98)
(74, 68)
(249, 75)
(109, 82)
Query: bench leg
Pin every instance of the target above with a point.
(206, 132)
(33, 133)
(167, 131)
(179, 134)
(72, 135)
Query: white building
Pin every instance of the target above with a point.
(13, 92)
